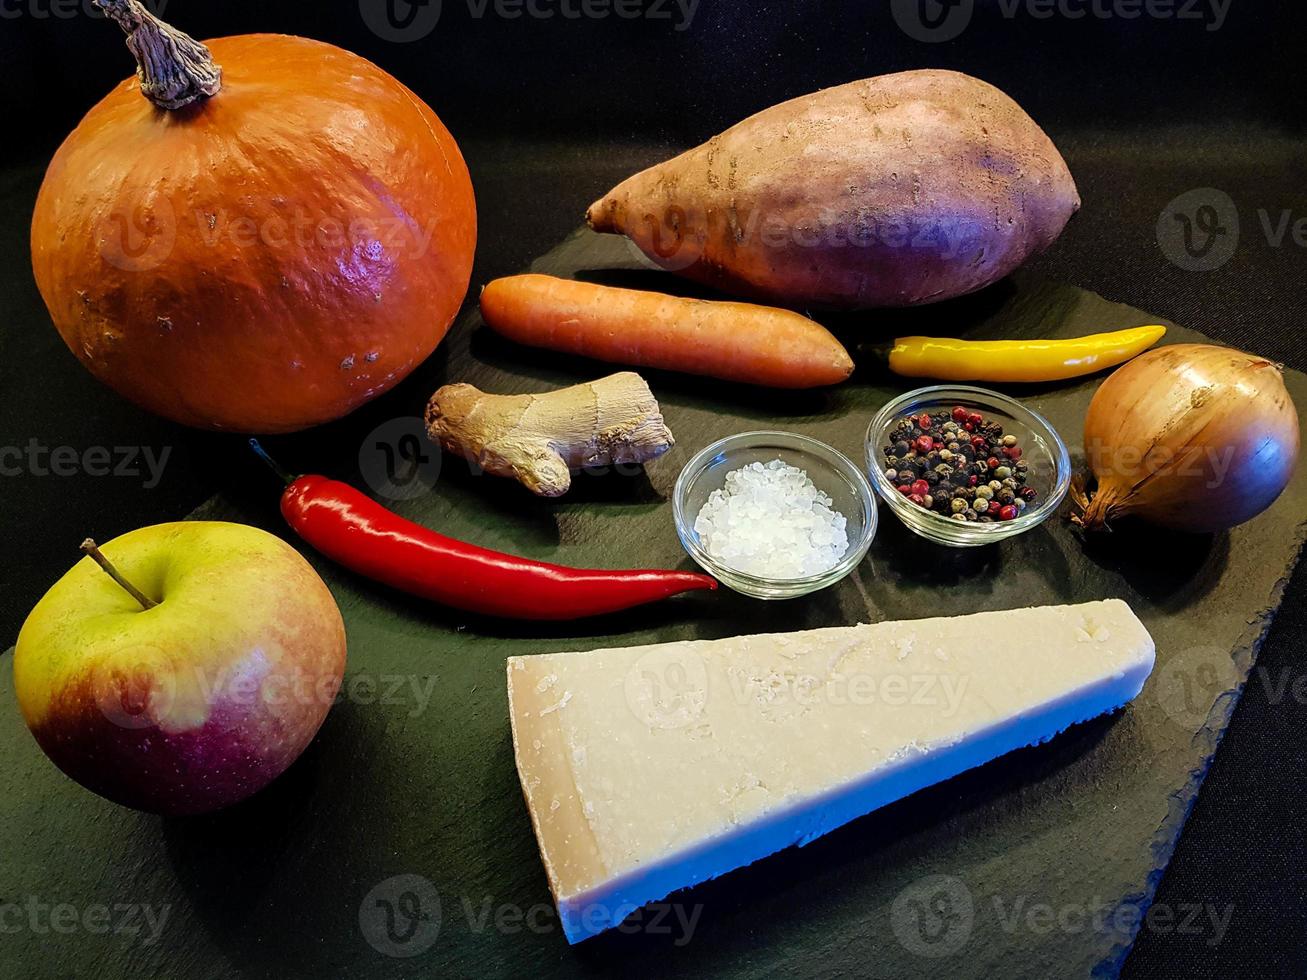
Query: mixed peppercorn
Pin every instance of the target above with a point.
(959, 465)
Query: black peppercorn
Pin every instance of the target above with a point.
(958, 456)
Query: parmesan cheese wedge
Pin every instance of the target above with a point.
(651, 769)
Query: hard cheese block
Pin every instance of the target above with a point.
(653, 768)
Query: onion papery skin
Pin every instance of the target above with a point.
(1191, 437)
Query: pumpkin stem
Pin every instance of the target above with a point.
(174, 68)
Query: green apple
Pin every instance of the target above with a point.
(190, 680)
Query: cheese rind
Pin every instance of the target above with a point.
(650, 769)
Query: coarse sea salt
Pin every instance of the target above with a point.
(772, 521)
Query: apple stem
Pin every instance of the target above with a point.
(272, 463)
(91, 548)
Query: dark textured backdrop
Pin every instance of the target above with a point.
(552, 111)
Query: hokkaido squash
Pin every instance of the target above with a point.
(259, 233)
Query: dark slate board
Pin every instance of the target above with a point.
(289, 882)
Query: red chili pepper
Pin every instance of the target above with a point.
(354, 530)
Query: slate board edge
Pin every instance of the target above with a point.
(1167, 836)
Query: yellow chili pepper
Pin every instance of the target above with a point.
(1018, 360)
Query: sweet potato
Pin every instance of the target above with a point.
(732, 341)
(893, 191)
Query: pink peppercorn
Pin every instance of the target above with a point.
(920, 488)
(1008, 513)
(923, 445)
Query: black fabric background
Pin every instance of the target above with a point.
(551, 112)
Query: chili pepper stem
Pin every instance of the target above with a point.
(272, 463)
(92, 549)
(873, 354)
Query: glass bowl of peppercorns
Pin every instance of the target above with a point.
(965, 466)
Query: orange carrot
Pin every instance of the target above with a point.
(732, 341)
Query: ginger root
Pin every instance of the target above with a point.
(539, 440)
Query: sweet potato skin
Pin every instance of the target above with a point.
(893, 191)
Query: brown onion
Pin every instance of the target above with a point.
(1191, 437)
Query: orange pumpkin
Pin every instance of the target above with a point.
(258, 247)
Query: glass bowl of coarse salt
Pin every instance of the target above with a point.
(774, 515)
